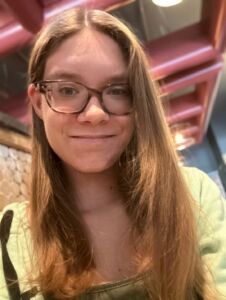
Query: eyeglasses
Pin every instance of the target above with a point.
(73, 97)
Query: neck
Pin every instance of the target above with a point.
(94, 191)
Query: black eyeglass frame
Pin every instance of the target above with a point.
(91, 91)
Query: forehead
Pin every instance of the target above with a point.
(90, 54)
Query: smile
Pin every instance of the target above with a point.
(94, 137)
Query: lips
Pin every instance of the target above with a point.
(92, 136)
(92, 140)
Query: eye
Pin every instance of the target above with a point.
(67, 91)
(118, 90)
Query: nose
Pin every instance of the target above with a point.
(93, 113)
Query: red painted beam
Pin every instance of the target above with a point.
(191, 77)
(179, 50)
(214, 16)
(183, 108)
(207, 93)
(191, 131)
(57, 7)
(14, 37)
(186, 128)
(5, 15)
(28, 13)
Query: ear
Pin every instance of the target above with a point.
(36, 99)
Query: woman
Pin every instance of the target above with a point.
(111, 215)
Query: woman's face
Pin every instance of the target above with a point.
(91, 141)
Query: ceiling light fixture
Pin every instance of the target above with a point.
(178, 132)
(183, 142)
(166, 3)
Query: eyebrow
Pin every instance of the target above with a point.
(121, 77)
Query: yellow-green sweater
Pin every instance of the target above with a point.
(211, 224)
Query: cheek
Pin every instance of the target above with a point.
(129, 129)
(54, 126)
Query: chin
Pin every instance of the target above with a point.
(94, 167)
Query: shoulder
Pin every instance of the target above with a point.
(202, 187)
(19, 210)
(211, 222)
(15, 206)
(210, 203)
(18, 228)
(19, 217)
(18, 244)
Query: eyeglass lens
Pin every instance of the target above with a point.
(69, 97)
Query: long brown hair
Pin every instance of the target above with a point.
(157, 199)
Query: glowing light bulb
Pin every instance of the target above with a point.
(179, 138)
(166, 3)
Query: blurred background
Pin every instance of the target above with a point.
(184, 41)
